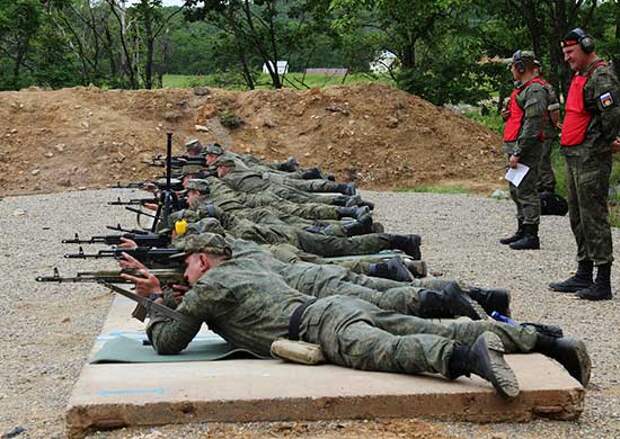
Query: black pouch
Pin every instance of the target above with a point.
(552, 204)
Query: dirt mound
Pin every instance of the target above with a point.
(375, 134)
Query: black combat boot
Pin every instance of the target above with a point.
(517, 235)
(485, 358)
(450, 302)
(492, 299)
(377, 227)
(393, 269)
(529, 240)
(361, 226)
(601, 290)
(410, 244)
(345, 188)
(352, 212)
(311, 174)
(355, 200)
(581, 280)
(416, 268)
(569, 352)
(292, 164)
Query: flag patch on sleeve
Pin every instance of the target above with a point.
(606, 100)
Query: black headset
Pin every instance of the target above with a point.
(585, 41)
(517, 61)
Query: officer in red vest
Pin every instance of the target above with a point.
(590, 133)
(523, 137)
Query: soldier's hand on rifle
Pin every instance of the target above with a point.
(127, 244)
(145, 286)
(178, 291)
(151, 206)
(615, 145)
(129, 261)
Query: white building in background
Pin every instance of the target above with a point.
(383, 62)
(282, 67)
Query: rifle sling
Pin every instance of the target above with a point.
(149, 305)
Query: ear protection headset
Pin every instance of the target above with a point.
(517, 61)
(579, 36)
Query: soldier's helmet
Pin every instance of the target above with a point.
(193, 144)
(225, 160)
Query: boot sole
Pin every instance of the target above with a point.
(502, 376)
(561, 289)
(584, 363)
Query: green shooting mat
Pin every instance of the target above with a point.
(122, 349)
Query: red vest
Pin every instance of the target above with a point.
(577, 118)
(513, 124)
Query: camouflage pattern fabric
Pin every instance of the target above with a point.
(589, 168)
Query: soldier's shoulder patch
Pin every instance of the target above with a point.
(606, 100)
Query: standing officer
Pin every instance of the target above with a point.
(523, 137)
(590, 133)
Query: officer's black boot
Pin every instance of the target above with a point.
(515, 237)
(451, 301)
(393, 269)
(355, 200)
(529, 240)
(601, 290)
(492, 299)
(581, 280)
(410, 244)
(485, 358)
(569, 352)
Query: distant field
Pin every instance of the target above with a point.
(292, 80)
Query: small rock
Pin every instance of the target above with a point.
(85, 125)
(14, 130)
(392, 122)
(49, 154)
(499, 194)
(35, 171)
(60, 147)
(201, 91)
(19, 212)
(66, 320)
(201, 128)
(82, 188)
(65, 182)
(77, 107)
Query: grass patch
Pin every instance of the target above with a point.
(492, 120)
(291, 80)
(436, 189)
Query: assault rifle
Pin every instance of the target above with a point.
(141, 239)
(148, 256)
(165, 276)
(133, 202)
(176, 162)
(160, 183)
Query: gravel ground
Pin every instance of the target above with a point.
(47, 330)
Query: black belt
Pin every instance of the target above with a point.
(295, 320)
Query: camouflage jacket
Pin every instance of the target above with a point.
(246, 304)
(533, 101)
(605, 123)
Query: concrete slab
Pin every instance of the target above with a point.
(117, 395)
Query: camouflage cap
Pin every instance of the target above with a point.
(191, 169)
(215, 149)
(210, 225)
(198, 184)
(203, 243)
(225, 160)
(193, 144)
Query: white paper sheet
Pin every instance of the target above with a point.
(516, 175)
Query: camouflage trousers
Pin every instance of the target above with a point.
(315, 185)
(358, 334)
(299, 196)
(588, 187)
(327, 246)
(329, 280)
(546, 177)
(269, 216)
(525, 196)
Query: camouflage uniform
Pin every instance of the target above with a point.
(589, 166)
(532, 99)
(546, 177)
(250, 307)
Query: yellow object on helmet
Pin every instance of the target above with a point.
(180, 227)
